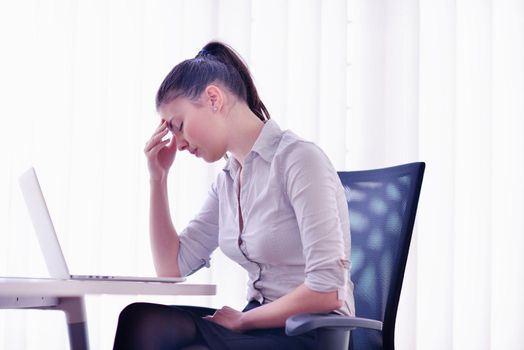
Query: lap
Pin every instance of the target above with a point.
(221, 338)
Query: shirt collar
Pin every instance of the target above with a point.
(265, 145)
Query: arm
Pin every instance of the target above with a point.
(174, 254)
(182, 254)
(300, 300)
(164, 239)
(163, 236)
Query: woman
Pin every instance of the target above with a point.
(277, 208)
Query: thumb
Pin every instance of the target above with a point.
(172, 144)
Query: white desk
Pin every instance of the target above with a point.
(68, 296)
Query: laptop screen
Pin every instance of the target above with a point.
(45, 231)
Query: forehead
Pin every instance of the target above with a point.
(177, 108)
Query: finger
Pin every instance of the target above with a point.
(172, 144)
(159, 128)
(155, 149)
(155, 139)
(161, 134)
(161, 144)
(210, 319)
(162, 125)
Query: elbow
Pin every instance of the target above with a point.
(337, 304)
(327, 301)
(168, 271)
(332, 303)
(169, 274)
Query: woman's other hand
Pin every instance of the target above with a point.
(160, 153)
(229, 318)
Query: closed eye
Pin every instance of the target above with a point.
(173, 128)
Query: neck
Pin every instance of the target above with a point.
(244, 127)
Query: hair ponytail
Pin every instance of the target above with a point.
(215, 62)
(231, 58)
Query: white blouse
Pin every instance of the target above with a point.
(295, 220)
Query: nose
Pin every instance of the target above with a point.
(181, 143)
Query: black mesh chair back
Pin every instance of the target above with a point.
(382, 207)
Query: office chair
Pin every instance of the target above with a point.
(382, 207)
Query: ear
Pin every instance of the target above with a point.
(214, 97)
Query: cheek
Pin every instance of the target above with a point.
(199, 134)
(193, 132)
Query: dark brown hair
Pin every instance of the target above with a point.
(216, 62)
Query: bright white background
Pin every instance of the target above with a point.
(373, 82)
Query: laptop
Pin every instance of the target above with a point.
(48, 240)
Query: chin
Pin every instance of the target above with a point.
(213, 158)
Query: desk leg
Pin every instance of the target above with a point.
(74, 309)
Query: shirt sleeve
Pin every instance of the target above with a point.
(313, 187)
(200, 238)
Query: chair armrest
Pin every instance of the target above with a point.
(302, 323)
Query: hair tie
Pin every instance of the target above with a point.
(202, 53)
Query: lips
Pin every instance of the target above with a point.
(194, 152)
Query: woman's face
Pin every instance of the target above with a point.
(197, 127)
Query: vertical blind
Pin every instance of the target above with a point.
(374, 83)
